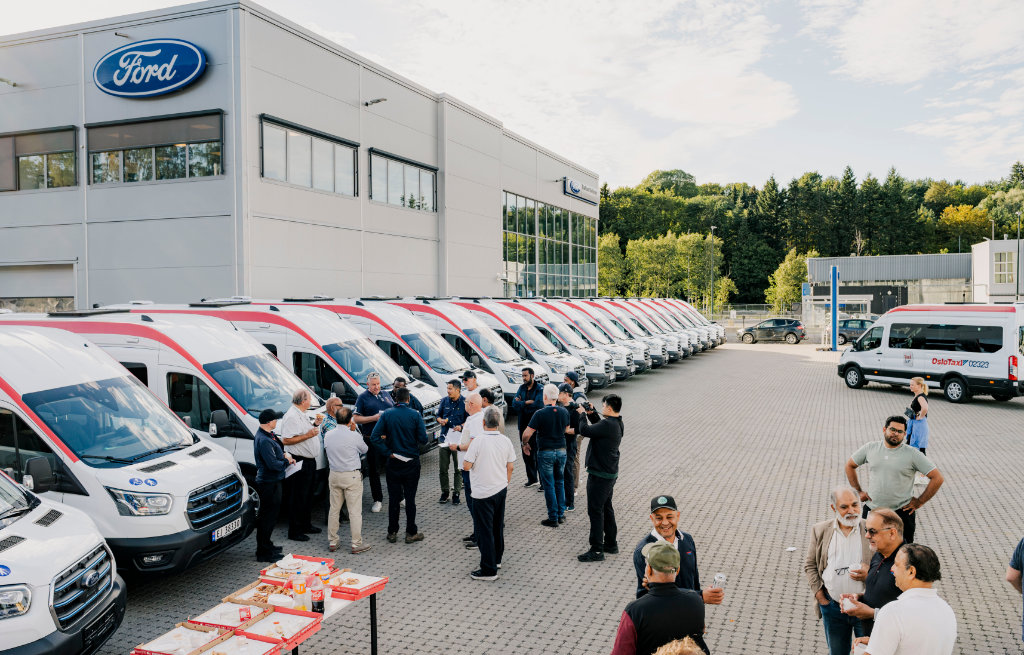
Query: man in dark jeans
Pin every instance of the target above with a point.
(602, 461)
(397, 438)
(271, 461)
(547, 430)
(370, 405)
(528, 399)
(572, 456)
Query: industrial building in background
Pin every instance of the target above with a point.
(216, 148)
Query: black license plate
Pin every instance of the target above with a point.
(97, 632)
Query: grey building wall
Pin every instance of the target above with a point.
(891, 268)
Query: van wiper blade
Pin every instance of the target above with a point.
(108, 458)
(15, 511)
(164, 449)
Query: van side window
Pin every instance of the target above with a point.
(467, 351)
(139, 370)
(8, 444)
(189, 396)
(521, 349)
(871, 340)
(940, 336)
(551, 337)
(19, 443)
(272, 348)
(315, 372)
(403, 359)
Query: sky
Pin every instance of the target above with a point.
(729, 91)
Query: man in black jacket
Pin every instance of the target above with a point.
(397, 436)
(528, 399)
(271, 461)
(602, 462)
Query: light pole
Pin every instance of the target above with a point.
(712, 313)
(1016, 279)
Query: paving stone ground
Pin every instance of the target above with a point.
(749, 439)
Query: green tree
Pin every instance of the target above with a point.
(1002, 207)
(611, 271)
(724, 288)
(1017, 174)
(767, 217)
(784, 286)
(679, 182)
(963, 225)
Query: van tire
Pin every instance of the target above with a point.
(792, 339)
(854, 377)
(748, 338)
(841, 340)
(1002, 397)
(956, 390)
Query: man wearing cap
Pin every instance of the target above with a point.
(572, 455)
(470, 383)
(271, 461)
(666, 613)
(665, 519)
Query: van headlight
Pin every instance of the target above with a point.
(130, 503)
(14, 600)
(592, 361)
(513, 377)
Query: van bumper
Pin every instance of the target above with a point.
(182, 549)
(598, 380)
(988, 386)
(92, 631)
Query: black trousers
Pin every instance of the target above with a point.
(489, 526)
(374, 464)
(909, 523)
(603, 531)
(530, 461)
(270, 508)
(570, 471)
(402, 478)
(300, 497)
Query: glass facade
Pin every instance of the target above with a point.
(548, 251)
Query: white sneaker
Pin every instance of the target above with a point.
(376, 507)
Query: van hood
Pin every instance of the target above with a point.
(46, 550)
(424, 393)
(181, 471)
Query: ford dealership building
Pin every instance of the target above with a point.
(217, 149)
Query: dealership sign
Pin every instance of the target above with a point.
(149, 68)
(580, 190)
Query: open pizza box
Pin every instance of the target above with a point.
(185, 639)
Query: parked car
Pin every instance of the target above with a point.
(851, 328)
(789, 330)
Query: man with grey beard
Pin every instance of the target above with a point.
(837, 563)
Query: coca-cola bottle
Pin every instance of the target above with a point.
(316, 594)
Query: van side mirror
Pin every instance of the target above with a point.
(219, 423)
(474, 359)
(38, 476)
(338, 389)
(187, 420)
(415, 371)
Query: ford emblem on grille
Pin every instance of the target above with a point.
(220, 496)
(90, 579)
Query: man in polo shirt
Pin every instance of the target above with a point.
(885, 534)
(471, 429)
(489, 461)
(893, 466)
(528, 399)
(397, 437)
(370, 405)
(451, 415)
(918, 622)
(302, 441)
(665, 519)
(1013, 573)
(401, 383)
(549, 424)
(665, 614)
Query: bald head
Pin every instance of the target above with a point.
(474, 403)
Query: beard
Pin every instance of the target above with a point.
(851, 522)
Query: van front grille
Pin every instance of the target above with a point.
(499, 395)
(82, 586)
(430, 416)
(211, 503)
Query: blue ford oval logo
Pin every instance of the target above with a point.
(90, 579)
(220, 496)
(149, 68)
(574, 186)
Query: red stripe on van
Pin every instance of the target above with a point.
(9, 390)
(514, 305)
(428, 309)
(611, 314)
(132, 330)
(359, 311)
(480, 308)
(1001, 309)
(255, 317)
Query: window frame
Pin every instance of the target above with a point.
(1004, 268)
(388, 157)
(313, 134)
(48, 130)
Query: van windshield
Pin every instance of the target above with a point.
(360, 357)
(436, 352)
(593, 332)
(258, 382)
(492, 345)
(14, 500)
(640, 326)
(565, 334)
(534, 339)
(110, 423)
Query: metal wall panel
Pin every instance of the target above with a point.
(891, 268)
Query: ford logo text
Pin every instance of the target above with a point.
(149, 68)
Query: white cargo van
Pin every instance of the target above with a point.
(677, 343)
(700, 337)
(162, 498)
(964, 350)
(211, 374)
(620, 319)
(695, 316)
(476, 342)
(324, 351)
(708, 333)
(60, 593)
(640, 350)
(622, 358)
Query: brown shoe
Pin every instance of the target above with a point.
(360, 549)
(410, 538)
(332, 548)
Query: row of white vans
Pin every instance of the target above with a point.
(130, 427)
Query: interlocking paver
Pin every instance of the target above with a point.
(749, 439)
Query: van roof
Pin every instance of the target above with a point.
(36, 359)
(956, 309)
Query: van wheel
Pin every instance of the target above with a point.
(854, 378)
(792, 339)
(841, 340)
(956, 390)
(748, 338)
(1002, 397)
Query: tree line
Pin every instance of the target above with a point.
(656, 236)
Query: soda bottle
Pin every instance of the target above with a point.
(324, 572)
(301, 593)
(316, 592)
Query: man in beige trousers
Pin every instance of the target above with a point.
(344, 444)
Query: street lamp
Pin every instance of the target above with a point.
(1016, 279)
(713, 228)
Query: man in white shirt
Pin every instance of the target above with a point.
(472, 428)
(489, 462)
(297, 435)
(918, 622)
(344, 444)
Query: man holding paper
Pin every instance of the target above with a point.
(489, 461)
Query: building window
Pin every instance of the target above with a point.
(308, 158)
(548, 250)
(402, 183)
(38, 160)
(1004, 267)
(184, 146)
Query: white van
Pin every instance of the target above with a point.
(60, 593)
(622, 357)
(964, 350)
(523, 337)
(211, 374)
(695, 316)
(709, 333)
(679, 344)
(324, 351)
(597, 364)
(641, 351)
(620, 319)
(700, 337)
(475, 341)
(162, 498)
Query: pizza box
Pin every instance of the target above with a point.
(191, 639)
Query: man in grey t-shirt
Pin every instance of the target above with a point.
(893, 465)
